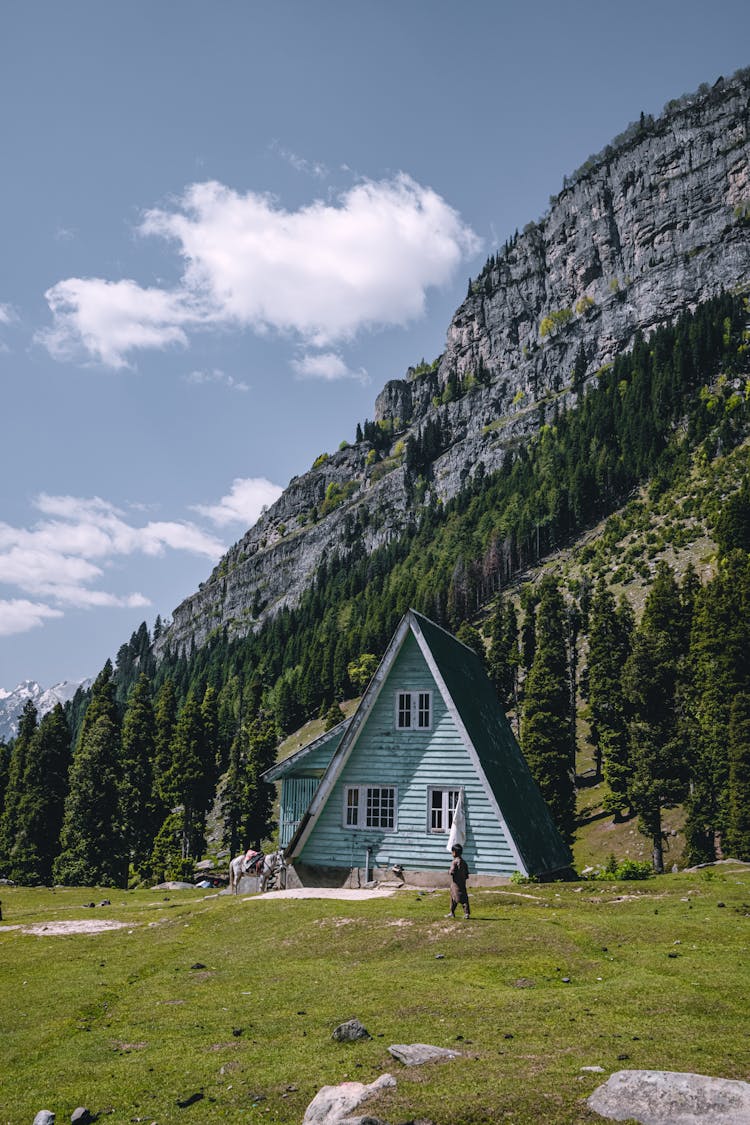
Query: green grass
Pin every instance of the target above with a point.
(122, 1022)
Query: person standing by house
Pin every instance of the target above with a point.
(459, 873)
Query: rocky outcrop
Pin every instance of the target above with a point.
(659, 222)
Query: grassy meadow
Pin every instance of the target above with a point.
(235, 1000)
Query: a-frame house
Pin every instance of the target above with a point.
(379, 790)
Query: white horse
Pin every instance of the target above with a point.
(264, 866)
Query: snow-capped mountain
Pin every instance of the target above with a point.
(44, 699)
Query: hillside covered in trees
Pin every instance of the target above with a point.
(616, 627)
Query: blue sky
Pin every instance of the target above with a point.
(225, 226)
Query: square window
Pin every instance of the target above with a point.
(441, 806)
(370, 806)
(413, 710)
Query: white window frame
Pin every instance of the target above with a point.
(446, 812)
(414, 710)
(359, 807)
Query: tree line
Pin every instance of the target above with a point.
(130, 802)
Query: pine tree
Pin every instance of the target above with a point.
(92, 847)
(42, 803)
(718, 672)
(504, 655)
(210, 720)
(234, 801)
(546, 735)
(165, 717)
(19, 758)
(138, 809)
(738, 796)
(187, 782)
(733, 525)
(261, 755)
(609, 645)
(166, 860)
(333, 716)
(650, 681)
(472, 638)
(529, 602)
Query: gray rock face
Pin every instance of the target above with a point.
(416, 1054)
(662, 1097)
(350, 1031)
(333, 1104)
(658, 224)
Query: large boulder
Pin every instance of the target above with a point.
(333, 1104)
(663, 1097)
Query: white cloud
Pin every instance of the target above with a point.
(108, 319)
(18, 616)
(64, 555)
(244, 503)
(322, 273)
(201, 378)
(328, 366)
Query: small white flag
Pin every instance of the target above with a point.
(458, 828)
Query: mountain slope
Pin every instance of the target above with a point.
(13, 702)
(653, 226)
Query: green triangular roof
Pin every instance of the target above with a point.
(521, 804)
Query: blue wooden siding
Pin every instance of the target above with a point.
(413, 761)
(296, 794)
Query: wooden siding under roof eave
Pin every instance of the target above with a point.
(413, 761)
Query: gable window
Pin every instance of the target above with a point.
(413, 710)
(441, 804)
(370, 806)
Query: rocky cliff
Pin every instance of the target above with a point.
(656, 223)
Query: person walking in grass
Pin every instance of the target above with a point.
(459, 873)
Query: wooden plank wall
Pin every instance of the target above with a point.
(296, 794)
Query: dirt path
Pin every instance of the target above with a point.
(346, 894)
(55, 929)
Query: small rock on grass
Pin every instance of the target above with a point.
(416, 1054)
(81, 1116)
(350, 1031)
(44, 1117)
